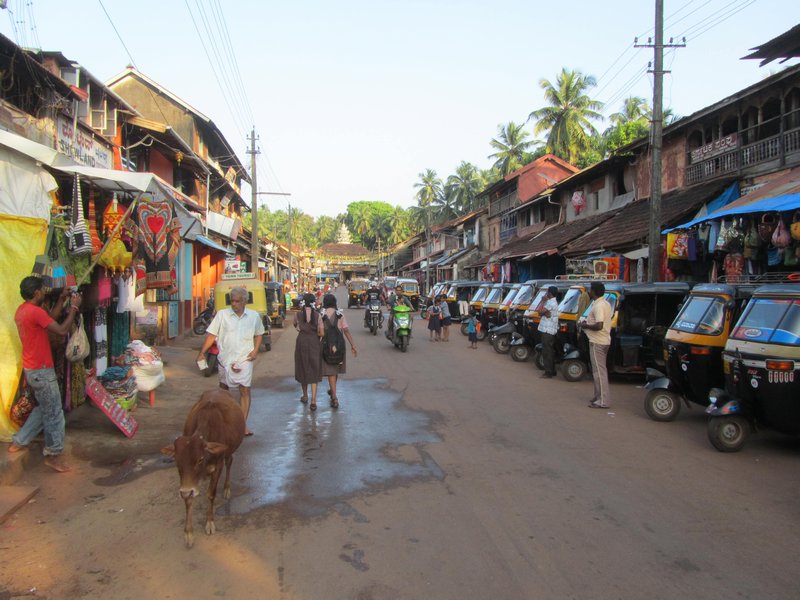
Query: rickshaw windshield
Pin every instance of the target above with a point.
(410, 288)
(537, 300)
(451, 293)
(569, 304)
(610, 298)
(512, 293)
(479, 294)
(494, 296)
(701, 314)
(770, 320)
(524, 295)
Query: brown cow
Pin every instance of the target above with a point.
(213, 431)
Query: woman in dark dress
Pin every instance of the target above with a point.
(308, 349)
(332, 372)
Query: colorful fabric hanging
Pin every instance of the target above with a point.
(97, 245)
(120, 333)
(100, 340)
(78, 239)
(155, 240)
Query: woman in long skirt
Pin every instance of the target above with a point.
(332, 372)
(308, 349)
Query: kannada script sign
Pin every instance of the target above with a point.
(715, 148)
(82, 147)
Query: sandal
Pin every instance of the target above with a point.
(304, 399)
(334, 402)
(313, 406)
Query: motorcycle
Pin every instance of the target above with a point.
(212, 363)
(375, 316)
(400, 335)
(203, 320)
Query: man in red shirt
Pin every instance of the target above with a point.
(33, 323)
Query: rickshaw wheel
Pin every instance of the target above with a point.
(538, 360)
(520, 353)
(728, 433)
(573, 369)
(662, 405)
(502, 343)
(463, 329)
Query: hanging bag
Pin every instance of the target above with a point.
(79, 242)
(767, 227)
(78, 342)
(781, 237)
(48, 265)
(794, 228)
(24, 403)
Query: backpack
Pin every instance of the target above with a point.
(333, 347)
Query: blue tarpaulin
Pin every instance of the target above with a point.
(730, 194)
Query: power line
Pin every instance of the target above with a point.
(235, 62)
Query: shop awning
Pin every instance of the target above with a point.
(448, 260)
(211, 244)
(39, 152)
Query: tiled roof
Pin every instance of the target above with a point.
(343, 250)
(552, 238)
(630, 225)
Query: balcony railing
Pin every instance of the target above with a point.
(750, 155)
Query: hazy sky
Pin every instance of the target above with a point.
(352, 99)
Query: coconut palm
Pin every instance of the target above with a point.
(634, 108)
(398, 225)
(463, 187)
(567, 119)
(511, 145)
(429, 188)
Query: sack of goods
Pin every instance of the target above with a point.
(146, 364)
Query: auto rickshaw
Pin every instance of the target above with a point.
(512, 330)
(355, 291)
(490, 310)
(761, 364)
(693, 349)
(528, 336)
(389, 284)
(500, 332)
(276, 306)
(641, 314)
(256, 300)
(410, 289)
(458, 292)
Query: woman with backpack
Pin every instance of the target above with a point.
(308, 349)
(334, 351)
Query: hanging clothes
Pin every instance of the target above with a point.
(155, 238)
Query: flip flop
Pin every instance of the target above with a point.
(13, 448)
(57, 464)
(593, 405)
(248, 433)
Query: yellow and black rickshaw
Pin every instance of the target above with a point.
(458, 294)
(693, 349)
(256, 300)
(276, 304)
(410, 289)
(355, 291)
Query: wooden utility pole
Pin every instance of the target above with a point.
(254, 248)
(654, 234)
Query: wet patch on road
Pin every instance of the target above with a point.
(308, 462)
(129, 469)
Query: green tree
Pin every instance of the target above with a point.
(463, 187)
(634, 108)
(398, 226)
(567, 118)
(511, 145)
(429, 188)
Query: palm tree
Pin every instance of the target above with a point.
(463, 187)
(398, 225)
(634, 108)
(567, 117)
(429, 188)
(511, 147)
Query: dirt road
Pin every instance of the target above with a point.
(446, 473)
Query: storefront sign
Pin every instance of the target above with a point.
(715, 148)
(233, 265)
(242, 275)
(82, 146)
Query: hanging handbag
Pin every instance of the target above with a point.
(79, 242)
(751, 238)
(774, 256)
(767, 226)
(722, 237)
(794, 228)
(78, 342)
(790, 258)
(781, 237)
(48, 265)
(678, 245)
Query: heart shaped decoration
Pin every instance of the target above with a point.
(155, 223)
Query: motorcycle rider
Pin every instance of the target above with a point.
(373, 293)
(396, 298)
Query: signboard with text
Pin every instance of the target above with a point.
(82, 146)
(715, 148)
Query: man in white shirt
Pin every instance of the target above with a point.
(597, 326)
(548, 327)
(237, 331)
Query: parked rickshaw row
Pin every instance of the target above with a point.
(733, 349)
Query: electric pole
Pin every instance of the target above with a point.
(254, 249)
(427, 248)
(654, 234)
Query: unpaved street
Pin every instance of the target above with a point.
(446, 473)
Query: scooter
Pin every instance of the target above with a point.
(203, 320)
(500, 337)
(375, 317)
(400, 335)
(211, 360)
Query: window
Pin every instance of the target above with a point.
(767, 320)
(701, 314)
(594, 201)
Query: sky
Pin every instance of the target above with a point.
(352, 99)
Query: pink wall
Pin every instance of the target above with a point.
(160, 166)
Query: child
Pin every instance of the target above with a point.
(472, 330)
(434, 320)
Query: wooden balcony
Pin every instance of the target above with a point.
(782, 149)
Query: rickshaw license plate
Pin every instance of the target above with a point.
(780, 376)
